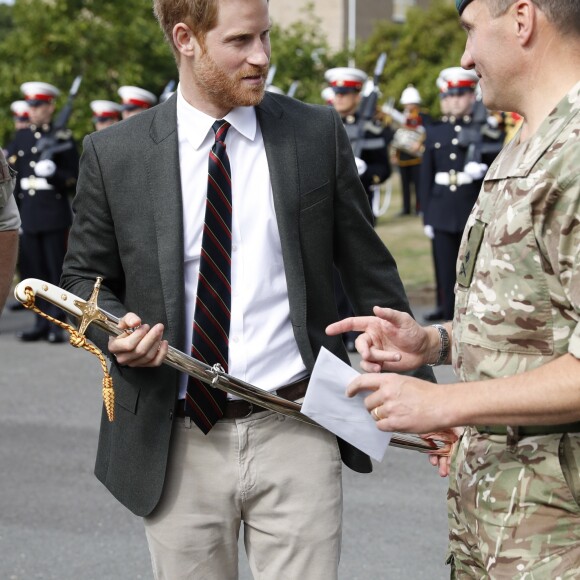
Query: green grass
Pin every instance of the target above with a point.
(404, 237)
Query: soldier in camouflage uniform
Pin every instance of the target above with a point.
(9, 224)
(514, 497)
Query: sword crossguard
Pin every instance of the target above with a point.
(90, 309)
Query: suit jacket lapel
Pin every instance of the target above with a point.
(165, 196)
(280, 145)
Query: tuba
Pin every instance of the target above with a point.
(410, 136)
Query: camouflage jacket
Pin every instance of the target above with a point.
(518, 270)
(9, 217)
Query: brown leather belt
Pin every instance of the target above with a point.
(238, 409)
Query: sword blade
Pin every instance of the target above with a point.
(73, 305)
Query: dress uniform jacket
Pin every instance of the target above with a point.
(376, 139)
(447, 194)
(43, 202)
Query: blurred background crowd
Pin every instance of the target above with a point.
(420, 135)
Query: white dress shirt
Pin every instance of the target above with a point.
(262, 348)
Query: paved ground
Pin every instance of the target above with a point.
(58, 522)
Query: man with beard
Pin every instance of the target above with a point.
(245, 200)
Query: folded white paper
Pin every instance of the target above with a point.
(326, 402)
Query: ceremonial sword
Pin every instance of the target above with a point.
(88, 312)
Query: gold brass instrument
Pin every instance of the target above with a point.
(410, 140)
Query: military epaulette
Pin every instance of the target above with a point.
(63, 134)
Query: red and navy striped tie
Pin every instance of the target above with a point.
(211, 323)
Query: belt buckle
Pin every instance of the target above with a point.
(452, 177)
(250, 411)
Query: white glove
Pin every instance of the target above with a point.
(492, 122)
(475, 170)
(360, 165)
(45, 168)
(428, 231)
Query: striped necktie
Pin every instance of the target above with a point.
(211, 323)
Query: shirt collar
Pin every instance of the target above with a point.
(196, 125)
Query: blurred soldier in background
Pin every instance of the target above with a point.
(105, 113)
(20, 114)
(9, 224)
(135, 100)
(373, 164)
(408, 145)
(437, 314)
(47, 167)
(458, 151)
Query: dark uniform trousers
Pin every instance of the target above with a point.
(410, 167)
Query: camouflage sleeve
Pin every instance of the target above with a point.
(561, 237)
(9, 216)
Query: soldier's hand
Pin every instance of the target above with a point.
(402, 403)
(390, 340)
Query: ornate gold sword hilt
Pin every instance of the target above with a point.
(90, 308)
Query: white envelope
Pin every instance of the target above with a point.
(348, 418)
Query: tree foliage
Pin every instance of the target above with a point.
(417, 50)
(110, 43)
(113, 43)
(300, 53)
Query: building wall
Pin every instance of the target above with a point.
(333, 15)
(330, 12)
(368, 12)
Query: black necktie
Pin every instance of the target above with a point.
(211, 323)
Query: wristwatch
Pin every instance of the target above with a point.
(445, 344)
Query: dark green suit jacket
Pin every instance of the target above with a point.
(128, 229)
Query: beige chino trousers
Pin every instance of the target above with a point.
(282, 478)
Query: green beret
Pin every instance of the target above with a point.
(461, 4)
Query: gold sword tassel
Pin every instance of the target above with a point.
(78, 339)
